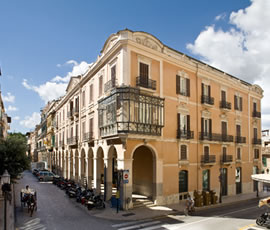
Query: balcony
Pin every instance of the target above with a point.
(256, 114)
(72, 141)
(76, 111)
(240, 140)
(208, 159)
(70, 114)
(88, 136)
(110, 85)
(256, 141)
(225, 105)
(185, 134)
(207, 100)
(215, 137)
(145, 82)
(127, 110)
(226, 159)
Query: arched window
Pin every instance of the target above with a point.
(183, 181)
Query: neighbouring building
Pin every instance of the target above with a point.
(173, 123)
(266, 150)
(4, 120)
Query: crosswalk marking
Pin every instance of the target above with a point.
(129, 223)
(141, 225)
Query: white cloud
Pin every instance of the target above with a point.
(31, 121)
(16, 118)
(220, 17)
(9, 98)
(242, 50)
(56, 87)
(11, 108)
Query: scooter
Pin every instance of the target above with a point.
(263, 220)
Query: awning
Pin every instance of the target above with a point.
(265, 178)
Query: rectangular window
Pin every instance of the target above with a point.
(256, 153)
(113, 75)
(91, 93)
(91, 127)
(182, 86)
(83, 128)
(238, 103)
(83, 98)
(144, 70)
(206, 179)
(238, 154)
(100, 85)
(238, 130)
(183, 155)
(223, 95)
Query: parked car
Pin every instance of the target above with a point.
(46, 176)
(35, 171)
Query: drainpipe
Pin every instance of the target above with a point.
(197, 125)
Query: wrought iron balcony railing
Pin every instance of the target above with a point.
(256, 114)
(88, 136)
(72, 141)
(256, 141)
(216, 137)
(207, 100)
(185, 134)
(226, 159)
(239, 139)
(225, 105)
(208, 159)
(146, 82)
(70, 114)
(110, 85)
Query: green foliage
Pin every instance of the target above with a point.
(13, 154)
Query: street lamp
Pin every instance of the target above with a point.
(5, 185)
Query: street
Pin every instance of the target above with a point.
(56, 211)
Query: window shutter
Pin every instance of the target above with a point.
(177, 84)
(223, 95)
(235, 102)
(202, 89)
(210, 127)
(209, 90)
(188, 122)
(178, 120)
(188, 87)
(202, 127)
(241, 104)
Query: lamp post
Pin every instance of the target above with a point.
(5, 185)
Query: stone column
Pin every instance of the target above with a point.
(97, 175)
(108, 178)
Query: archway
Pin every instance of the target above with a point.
(99, 172)
(90, 168)
(59, 163)
(110, 173)
(71, 166)
(76, 166)
(144, 172)
(83, 168)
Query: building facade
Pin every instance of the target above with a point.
(4, 120)
(171, 122)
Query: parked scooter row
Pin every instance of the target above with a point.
(87, 197)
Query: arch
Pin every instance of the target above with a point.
(144, 172)
(99, 169)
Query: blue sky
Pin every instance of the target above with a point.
(40, 40)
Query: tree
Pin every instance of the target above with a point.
(13, 155)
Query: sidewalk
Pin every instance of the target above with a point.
(158, 211)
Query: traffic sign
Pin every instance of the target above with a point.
(125, 176)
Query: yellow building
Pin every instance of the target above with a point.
(175, 123)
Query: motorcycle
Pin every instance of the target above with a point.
(96, 202)
(264, 219)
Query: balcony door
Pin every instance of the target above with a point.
(224, 129)
(238, 180)
(144, 73)
(224, 181)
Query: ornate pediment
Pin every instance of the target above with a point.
(148, 40)
(257, 89)
(72, 83)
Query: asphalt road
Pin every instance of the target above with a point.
(56, 211)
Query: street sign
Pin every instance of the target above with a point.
(125, 176)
